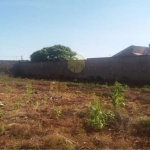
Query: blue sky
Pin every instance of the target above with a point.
(92, 28)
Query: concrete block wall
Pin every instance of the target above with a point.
(109, 68)
(132, 68)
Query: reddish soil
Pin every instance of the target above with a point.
(54, 116)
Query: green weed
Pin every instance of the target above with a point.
(29, 89)
(97, 118)
(117, 94)
(146, 88)
(57, 112)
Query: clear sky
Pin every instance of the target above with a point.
(92, 28)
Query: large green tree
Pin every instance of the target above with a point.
(54, 53)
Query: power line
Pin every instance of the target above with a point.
(10, 56)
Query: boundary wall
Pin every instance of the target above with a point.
(110, 68)
(6, 65)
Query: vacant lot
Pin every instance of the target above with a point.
(43, 114)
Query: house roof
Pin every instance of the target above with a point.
(133, 51)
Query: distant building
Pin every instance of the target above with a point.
(133, 51)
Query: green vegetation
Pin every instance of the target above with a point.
(29, 89)
(37, 104)
(117, 94)
(97, 118)
(54, 53)
(146, 88)
(66, 115)
(57, 113)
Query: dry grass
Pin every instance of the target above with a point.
(54, 117)
(57, 141)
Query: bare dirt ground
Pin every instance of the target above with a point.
(39, 114)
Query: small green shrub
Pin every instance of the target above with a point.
(146, 88)
(57, 112)
(117, 94)
(29, 89)
(97, 119)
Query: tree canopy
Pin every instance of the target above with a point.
(54, 53)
